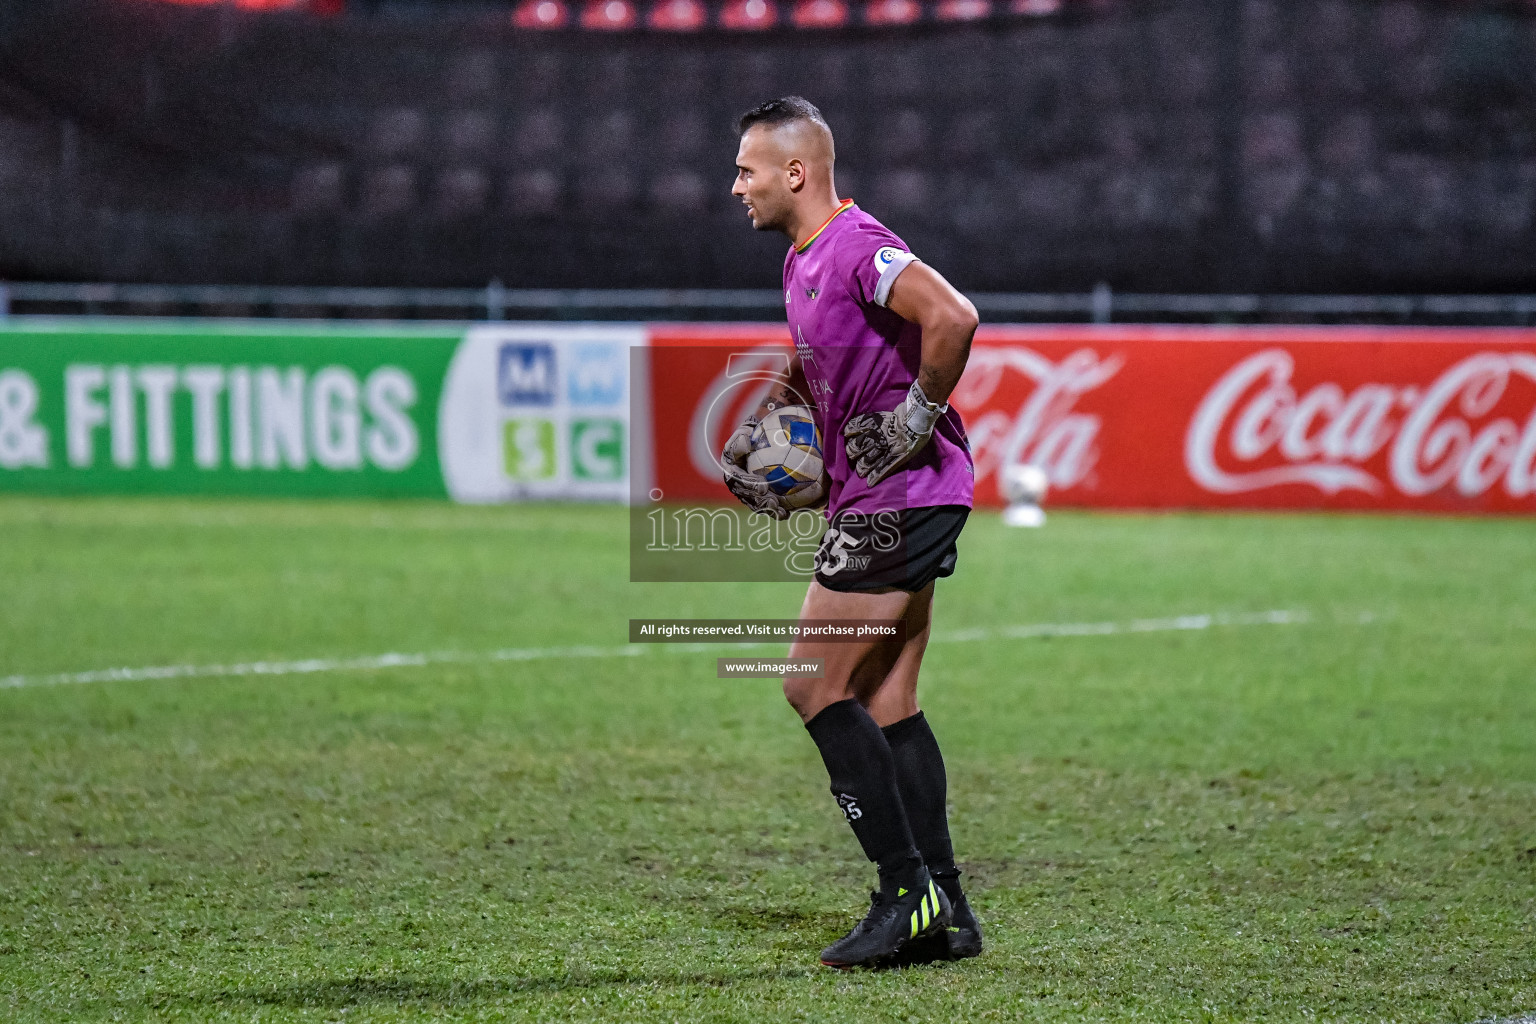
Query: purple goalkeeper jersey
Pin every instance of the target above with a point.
(859, 357)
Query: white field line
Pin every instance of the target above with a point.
(382, 661)
(1183, 622)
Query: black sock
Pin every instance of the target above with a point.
(924, 788)
(863, 776)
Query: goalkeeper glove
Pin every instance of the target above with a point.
(880, 443)
(750, 489)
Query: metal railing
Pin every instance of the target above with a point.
(495, 302)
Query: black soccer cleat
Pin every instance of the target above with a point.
(892, 923)
(963, 936)
(959, 941)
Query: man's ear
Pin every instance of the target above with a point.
(795, 172)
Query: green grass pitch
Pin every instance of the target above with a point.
(1328, 820)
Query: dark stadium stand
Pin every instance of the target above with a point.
(1192, 145)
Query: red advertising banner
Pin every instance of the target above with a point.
(1410, 419)
(704, 380)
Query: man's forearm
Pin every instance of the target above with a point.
(946, 347)
(791, 392)
(948, 321)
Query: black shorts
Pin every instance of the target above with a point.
(905, 549)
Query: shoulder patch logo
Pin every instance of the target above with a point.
(886, 255)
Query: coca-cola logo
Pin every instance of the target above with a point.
(1253, 430)
(1043, 429)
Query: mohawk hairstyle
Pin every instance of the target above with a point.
(782, 111)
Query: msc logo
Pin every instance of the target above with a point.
(597, 449)
(532, 448)
(596, 373)
(526, 374)
(529, 449)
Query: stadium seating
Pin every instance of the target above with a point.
(319, 188)
(461, 191)
(388, 190)
(534, 193)
(469, 132)
(1343, 146)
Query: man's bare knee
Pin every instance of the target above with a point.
(808, 695)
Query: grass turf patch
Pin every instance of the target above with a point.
(1329, 820)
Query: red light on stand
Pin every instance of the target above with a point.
(264, 6)
(749, 15)
(609, 15)
(963, 10)
(541, 14)
(819, 14)
(892, 12)
(677, 16)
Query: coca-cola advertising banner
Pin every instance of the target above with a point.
(1410, 419)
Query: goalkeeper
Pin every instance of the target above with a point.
(880, 342)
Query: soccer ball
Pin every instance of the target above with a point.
(1025, 484)
(786, 451)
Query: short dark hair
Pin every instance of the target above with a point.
(781, 111)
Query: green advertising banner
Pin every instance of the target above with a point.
(168, 407)
(476, 413)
